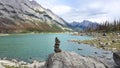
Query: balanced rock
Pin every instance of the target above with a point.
(57, 44)
(116, 57)
(72, 60)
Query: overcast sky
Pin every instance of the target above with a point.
(78, 10)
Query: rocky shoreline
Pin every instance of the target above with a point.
(13, 63)
(61, 60)
(106, 41)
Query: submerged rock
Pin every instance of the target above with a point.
(80, 49)
(72, 60)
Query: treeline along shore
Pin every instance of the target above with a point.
(106, 27)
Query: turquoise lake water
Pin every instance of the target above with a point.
(29, 47)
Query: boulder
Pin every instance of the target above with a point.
(116, 57)
(72, 60)
(104, 34)
(1, 66)
(108, 44)
(101, 43)
(113, 41)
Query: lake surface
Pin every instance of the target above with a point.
(29, 47)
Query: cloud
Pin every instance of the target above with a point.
(47, 3)
(99, 11)
(78, 10)
(113, 8)
(61, 9)
(94, 8)
(55, 6)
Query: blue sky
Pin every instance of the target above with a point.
(79, 10)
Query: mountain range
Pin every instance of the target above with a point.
(18, 16)
(84, 25)
(24, 16)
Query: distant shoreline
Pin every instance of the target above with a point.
(4, 34)
(7, 34)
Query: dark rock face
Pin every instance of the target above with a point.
(116, 57)
(57, 44)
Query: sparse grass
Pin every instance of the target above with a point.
(104, 42)
(10, 67)
(15, 67)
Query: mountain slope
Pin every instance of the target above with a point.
(24, 15)
(78, 26)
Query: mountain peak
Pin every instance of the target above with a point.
(85, 24)
(85, 20)
(34, 3)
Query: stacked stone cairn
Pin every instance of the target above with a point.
(57, 44)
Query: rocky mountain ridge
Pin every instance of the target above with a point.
(24, 15)
(85, 24)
